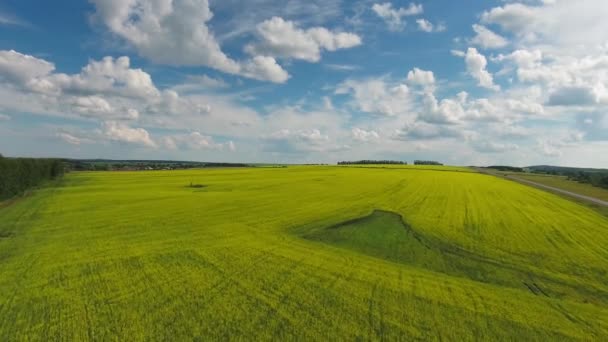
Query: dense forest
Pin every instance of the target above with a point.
(373, 162)
(20, 174)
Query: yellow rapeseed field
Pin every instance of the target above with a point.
(306, 252)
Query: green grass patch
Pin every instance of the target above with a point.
(386, 235)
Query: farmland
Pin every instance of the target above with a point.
(562, 182)
(307, 252)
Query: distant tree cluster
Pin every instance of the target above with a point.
(373, 162)
(19, 174)
(426, 162)
(140, 165)
(506, 168)
(593, 178)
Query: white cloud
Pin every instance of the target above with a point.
(547, 148)
(447, 111)
(68, 138)
(109, 75)
(426, 131)
(526, 107)
(487, 39)
(342, 67)
(280, 38)
(362, 135)
(120, 132)
(421, 77)
(176, 33)
(108, 89)
(426, 26)
(394, 16)
(195, 141)
(476, 66)
(377, 96)
(165, 31)
(564, 80)
(458, 53)
(171, 103)
(306, 140)
(264, 68)
(486, 146)
(327, 103)
(20, 68)
(579, 23)
(4, 117)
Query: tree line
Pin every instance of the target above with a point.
(20, 174)
(373, 162)
(426, 162)
(593, 178)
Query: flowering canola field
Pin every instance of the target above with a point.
(303, 252)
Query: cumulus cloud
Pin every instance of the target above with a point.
(426, 131)
(171, 103)
(362, 135)
(107, 89)
(487, 39)
(166, 32)
(107, 76)
(120, 132)
(421, 77)
(578, 22)
(393, 17)
(195, 141)
(264, 68)
(377, 96)
(20, 68)
(305, 140)
(566, 80)
(176, 33)
(426, 26)
(476, 64)
(446, 111)
(280, 38)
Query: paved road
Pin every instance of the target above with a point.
(565, 192)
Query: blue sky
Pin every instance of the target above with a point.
(464, 82)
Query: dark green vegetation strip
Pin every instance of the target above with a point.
(17, 175)
(386, 235)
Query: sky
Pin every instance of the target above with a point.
(319, 81)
